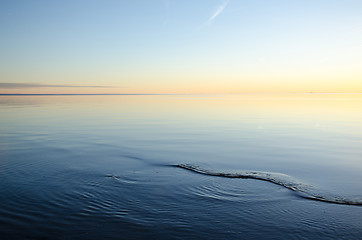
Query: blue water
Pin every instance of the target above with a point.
(107, 167)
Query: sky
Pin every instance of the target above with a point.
(180, 46)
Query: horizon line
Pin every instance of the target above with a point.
(114, 94)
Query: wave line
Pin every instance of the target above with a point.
(305, 191)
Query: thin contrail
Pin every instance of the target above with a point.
(218, 11)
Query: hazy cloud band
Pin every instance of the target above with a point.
(36, 85)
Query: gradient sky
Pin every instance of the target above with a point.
(180, 46)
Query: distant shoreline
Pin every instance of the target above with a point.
(77, 94)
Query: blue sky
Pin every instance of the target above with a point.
(182, 46)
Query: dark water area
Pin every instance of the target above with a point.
(181, 167)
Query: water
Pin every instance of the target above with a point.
(128, 167)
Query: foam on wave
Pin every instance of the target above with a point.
(303, 190)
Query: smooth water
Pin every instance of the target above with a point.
(128, 167)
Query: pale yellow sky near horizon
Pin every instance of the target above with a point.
(216, 46)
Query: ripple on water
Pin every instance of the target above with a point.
(304, 190)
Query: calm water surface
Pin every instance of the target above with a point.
(105, 167)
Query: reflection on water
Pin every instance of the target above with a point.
(91, 167)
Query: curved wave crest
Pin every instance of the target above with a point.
(303, 190)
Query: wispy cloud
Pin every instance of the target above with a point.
(218, 11)
(37, 85)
